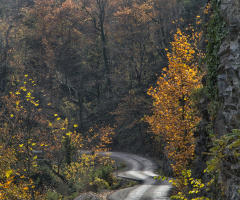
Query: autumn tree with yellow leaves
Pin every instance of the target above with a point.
(28, 132)
(173, 117)
(10, 187)
(22, 132)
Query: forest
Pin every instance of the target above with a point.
(137, 76)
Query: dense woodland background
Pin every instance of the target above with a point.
(75, 74)
(95, 60)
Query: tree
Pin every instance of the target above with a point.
(11, 38)
(173, 116)
(97, 11)
(131, 128)
(11, 185)
(30, 128)
(131, 36)
(25, 129)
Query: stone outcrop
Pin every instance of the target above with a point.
(229, 68)
(229, 89)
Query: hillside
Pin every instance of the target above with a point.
(153, 77)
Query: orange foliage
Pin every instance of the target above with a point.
(99, 138)
(10, 188)
(173, 117)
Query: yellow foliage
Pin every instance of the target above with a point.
(188, 185)
(80, 170)
(173, 117)
(9, 187)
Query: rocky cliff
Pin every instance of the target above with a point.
(228, 117)
(229, 69)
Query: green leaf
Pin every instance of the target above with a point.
(8, 173)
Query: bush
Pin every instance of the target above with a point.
(53, 195)
(99, 184)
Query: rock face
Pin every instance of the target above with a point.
(229, 68)
(229, 86)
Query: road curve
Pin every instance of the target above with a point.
(141, 169)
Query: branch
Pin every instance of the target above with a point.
(93, 18)
(7, 45)
(56, 173)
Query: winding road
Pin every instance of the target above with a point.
(140, 169)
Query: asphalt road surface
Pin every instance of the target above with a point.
(141, 169)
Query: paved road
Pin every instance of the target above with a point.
(141, 169)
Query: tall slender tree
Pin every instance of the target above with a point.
(173, 117)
